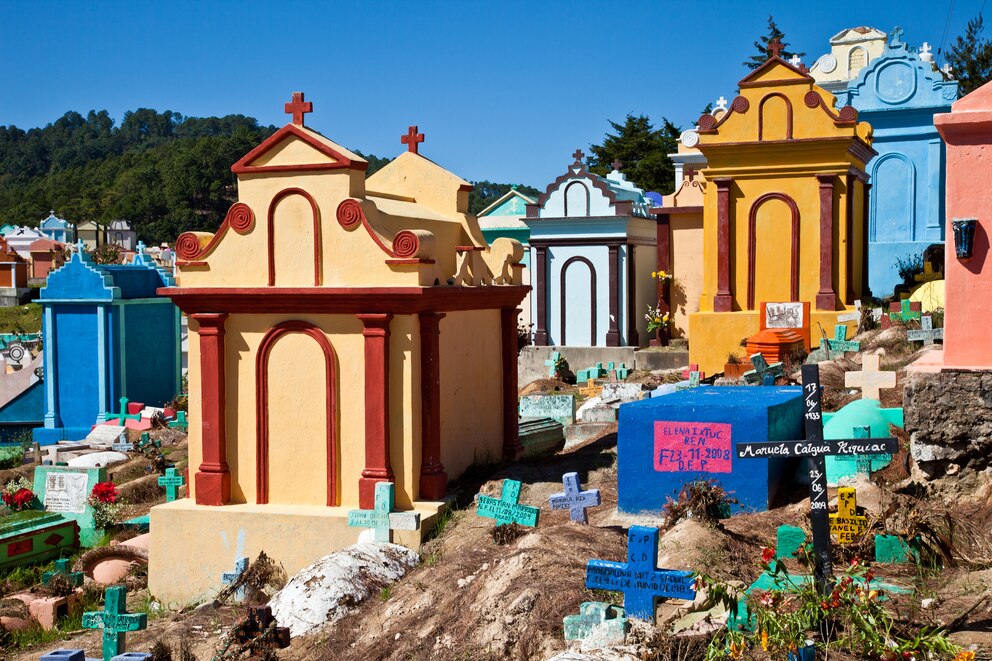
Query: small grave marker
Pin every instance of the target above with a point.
(693, 382)
(814, 448)
(591, 390)
(123, 416)
(553, 362)
(506, 509)
(382, 519)
(260, 621)
(763, 373)
(62, 568)
(589, 373)
(122, 447)
(639, 579)
(840, 342)
(927, 333)
(846, 526)
(574, 499)
(870, 379)
(604, 623)
(904, 310)
(115, 621)
(146, 442)
(171, 481)
(180, 421)
(693, 367)
(231, 577)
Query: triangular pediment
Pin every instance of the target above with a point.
(774, 71)
(297, 148)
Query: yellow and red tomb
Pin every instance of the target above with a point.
(344, 330)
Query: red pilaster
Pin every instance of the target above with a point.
(723, 300)
(377, 467)
(849, 180)
(508, 326)
(863, 243)
(433, 479)
(213, 478)
(541, 285)
(613, 333)
(663, 239)
(826, 297)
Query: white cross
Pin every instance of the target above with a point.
(795, 61)
(721, 103)
(947, 68)
(870, 379)
(927, 332)
(925, 52)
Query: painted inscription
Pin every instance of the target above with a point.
(692, 446)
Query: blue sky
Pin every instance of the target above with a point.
(504, 91)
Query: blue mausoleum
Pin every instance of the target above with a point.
(898, 94)
(665, 442)
(107, 335)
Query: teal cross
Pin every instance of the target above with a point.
(146, 441)
(180, 421)
(693, 381)
(763, 373)
(115, 621)
(171, 481)
(905, 311)
(123, 416)
(593, 615)
(381, 518)
(506, 509)
(552, 363)
(75, 578)
(840, 341)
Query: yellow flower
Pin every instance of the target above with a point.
(965, 655)
(764, 640)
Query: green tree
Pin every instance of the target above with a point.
(971, 57)
(761, 45)
(642, 151)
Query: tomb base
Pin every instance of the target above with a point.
(51, 436)
(192, 545)
(714, 335)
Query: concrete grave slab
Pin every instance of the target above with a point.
(557, 407)
(64, 490)
(97, 459)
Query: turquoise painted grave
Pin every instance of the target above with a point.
(115, 621)
(64, 490)
(845, 423)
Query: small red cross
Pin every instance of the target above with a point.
(412, 139)
(690, 174)
(617, 164)
(298, 107)
(578, 155)
(775, 47)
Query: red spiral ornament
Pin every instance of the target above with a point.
(740, 104)
(188, 246)
(240, 218)
(406, 244)
(812, 99)
(848, 114)
(706, 122)
(350, 214)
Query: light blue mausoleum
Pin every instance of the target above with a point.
(107, 335)
(898, 94)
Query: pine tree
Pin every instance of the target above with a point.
(774, 33)
(971, 57)
(643, 151)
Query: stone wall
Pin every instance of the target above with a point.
(949, 419)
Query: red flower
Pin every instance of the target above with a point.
(104, 492)
(19, 499)
(870, 575)
(767, 555)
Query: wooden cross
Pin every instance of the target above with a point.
(814, 448)
(775, 47)
(846, 526)
(261, 627)
(574, 499)
(412, 139)
(171, 482)
(763, 373)
(617, 164)
(840, 341)
(115, 621)
(870, 379)
(927, 333)
(578, 156)
(507, 509)
(639, 579)
(298, 107)
(231, 577)
(123, 416)
(75, 578)
(591, 389)
(381, 518)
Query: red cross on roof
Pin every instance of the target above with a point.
(298, 107)
(412, 139)
(775, 47)
(578, 155)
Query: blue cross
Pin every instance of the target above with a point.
(231, 577)
(574, 499)
(639, 578)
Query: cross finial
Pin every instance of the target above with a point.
(616, 164)
(412, 139)
(795, 61)
(925, 52)
(298, 107)
(775, 47)
(896, 33)
(721, 103)
(947, 68)
(690, 173)
(578, 156)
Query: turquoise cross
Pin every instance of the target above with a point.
(123, 416)
(180, 421)
(763, 373)
(171, 481)
(115, 621)
(840, 341)
(506, 509)
(552, 363)
(75, 578)
(381, 518)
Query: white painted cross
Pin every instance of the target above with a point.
(795, 61)
(947, 69)
(925, 53)
(927, 333)
(870, 379)
(721, 103)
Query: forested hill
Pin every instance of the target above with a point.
(164, 172)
